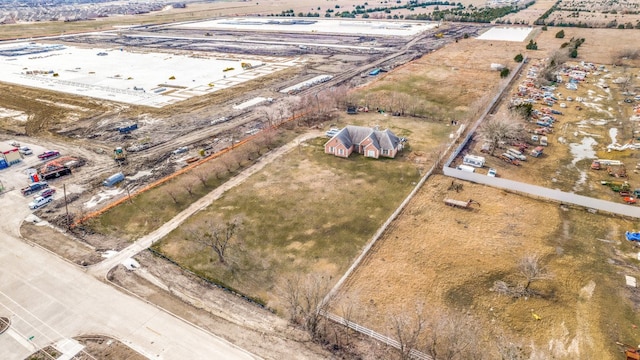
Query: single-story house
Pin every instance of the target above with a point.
(9, 155)
(369, 142)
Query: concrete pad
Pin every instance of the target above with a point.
(69, 348)
(121, 75)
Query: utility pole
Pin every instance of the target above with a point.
(66, 205)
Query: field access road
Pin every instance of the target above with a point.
(49, 299)
(101, 269)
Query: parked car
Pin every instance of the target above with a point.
(49, 154)
(332, 132)
(14, 143)
(24, 150)
(492, 172)
(39, 202)
(46, 193)
(180, 150)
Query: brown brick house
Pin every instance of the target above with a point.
(369, 142)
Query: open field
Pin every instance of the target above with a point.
(448, 258)
(529, 15)
(343, 202)
(451, 84)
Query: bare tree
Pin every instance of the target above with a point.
(305, 298)
(402, 102)
(266, 138)
(532, 269)
(228, 161)
(172, 190)
(202, 175)
(452, 335)
(215, 237)
(348, 310)
(338, 96)
(269, 113)
(218, 169)
(499, 129)
(408, 328)
(189, 184)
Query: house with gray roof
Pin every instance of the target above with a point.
(369, 142)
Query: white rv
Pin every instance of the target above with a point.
(473, 160)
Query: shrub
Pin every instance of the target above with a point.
(504, 73)
(560, 34)
(518, 58)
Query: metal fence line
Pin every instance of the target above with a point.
(382, 338)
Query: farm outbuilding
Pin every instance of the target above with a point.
(370, 142)
(9, 155)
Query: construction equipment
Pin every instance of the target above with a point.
(119, 155)
(461, 204)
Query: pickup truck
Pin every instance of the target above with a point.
(34, 187)
(48, 155)
(39, 202)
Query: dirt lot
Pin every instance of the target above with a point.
(449, 258)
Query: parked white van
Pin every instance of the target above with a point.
(517, 154)
(544, 141)
(466, 168)
(473, 160)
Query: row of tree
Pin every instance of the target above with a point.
(437, 332)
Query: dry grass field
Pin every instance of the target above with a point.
(530, 14)
(448, 258)
(307, 212)
(452, 83)
(327, 238)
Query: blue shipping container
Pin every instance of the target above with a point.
(3, 164)
(128, 128)
(113, 179)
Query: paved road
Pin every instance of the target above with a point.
(49, 299)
